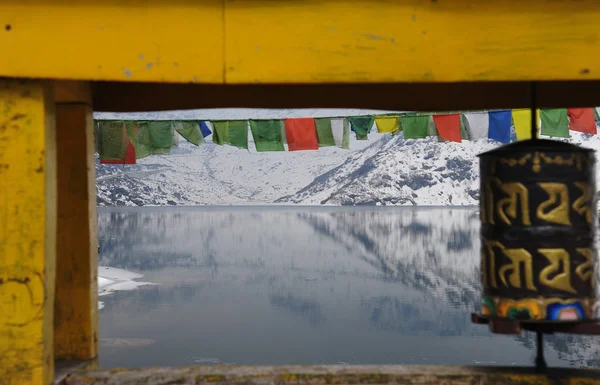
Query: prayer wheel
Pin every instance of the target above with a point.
(538, 225)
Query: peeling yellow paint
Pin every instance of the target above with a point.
(411, 41)
(27, 232)
(104, 40)
(310, 41)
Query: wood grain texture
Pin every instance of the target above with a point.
(322, 375)
(27, 232)
(300, 41)
(133, 40)
(315, 41)
(76, 303)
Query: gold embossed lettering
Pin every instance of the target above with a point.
(561, 280)
(490, 262)
(507, 207)
(556, 208)
(585, 271)
(582, 204)
(517, 257)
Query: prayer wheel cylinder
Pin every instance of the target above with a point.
(538, 226)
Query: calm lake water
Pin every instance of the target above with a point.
(305, 285)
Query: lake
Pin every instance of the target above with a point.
(304, 285)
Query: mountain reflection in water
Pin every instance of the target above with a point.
(305, 285)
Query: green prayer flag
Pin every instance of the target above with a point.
(190, 130)
(233, 132)
(415, 126)
(113, 140)
(555, 122)
(362, 125)
(324, 132)
(267, 135)
(143, 147)
(161, 133)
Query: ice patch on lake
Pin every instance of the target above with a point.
(111, 279)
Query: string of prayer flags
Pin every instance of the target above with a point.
(361, 125)
(386, 124)
(204, 129)
(341, 132)
(232, 132)
(415, 126)
(522, 121)
(190, 130)
(113, 142)
(478, 125)
(596, 114)
(582, 120)
(267, 135)
(301, 134)
(324, 132)
(448, 127)
(555, 122)
(499, 126)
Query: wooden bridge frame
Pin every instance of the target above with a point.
(61, 61)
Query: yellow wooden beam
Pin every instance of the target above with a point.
(27, 232)
(300, 41)
(133, 40)
(76, 301)
(314, 41)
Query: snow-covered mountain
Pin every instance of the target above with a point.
(395, 171)
(385, 170)
(212, 174)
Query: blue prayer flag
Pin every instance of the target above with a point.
(204, 129)
(500, 122)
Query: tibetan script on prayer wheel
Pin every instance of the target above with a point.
(538, 225)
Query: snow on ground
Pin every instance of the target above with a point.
(111, 279)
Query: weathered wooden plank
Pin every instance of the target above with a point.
(153, 40)
(27, 232)
(132, 97)
(312, 41)
(321, 375)
(410, 41)
(76, 302)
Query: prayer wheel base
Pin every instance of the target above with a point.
(509, 326)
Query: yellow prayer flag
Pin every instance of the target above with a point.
(386, 124)
(522, 120)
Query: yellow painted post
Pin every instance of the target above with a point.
(76, 303)
(27, 231)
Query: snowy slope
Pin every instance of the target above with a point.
(395, 171)
(212, 174)
(385, 170)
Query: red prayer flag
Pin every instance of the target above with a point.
(128, 159)
(582, 120)
(448, 126)
(301, 134)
